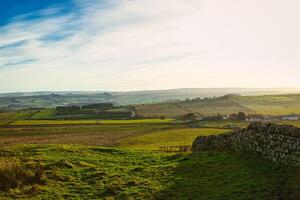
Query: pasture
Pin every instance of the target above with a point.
(174, 137)
(46, 113)
(84, 172)
(121, 159)
(87, 134)
(70, 122)
(266, 105)
(271, 104)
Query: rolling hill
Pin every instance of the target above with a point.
(168, 103)
(266, 105)
(52, 99)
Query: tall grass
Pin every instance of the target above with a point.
(15, 173)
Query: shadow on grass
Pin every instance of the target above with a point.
(209, 176)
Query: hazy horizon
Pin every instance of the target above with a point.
(121, 45)
(277, 89)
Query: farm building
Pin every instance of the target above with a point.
(290, 117)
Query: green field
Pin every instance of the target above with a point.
(10, 116)
(176, 137)
(53, 99)
(82, 172)
(266, 105)
(46, 158)
(271, 104)
(61, 122)
(116, 113)
(46, 113)
(204, 107)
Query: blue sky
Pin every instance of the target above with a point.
(139, 44)
(12, 9)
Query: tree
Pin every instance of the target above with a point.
(189, 117)
(241, 116)
(238, 116)
(233, 116)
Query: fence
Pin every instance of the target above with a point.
(183, 148)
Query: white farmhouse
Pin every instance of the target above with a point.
(290, 118)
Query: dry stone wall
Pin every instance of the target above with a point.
(279, 143)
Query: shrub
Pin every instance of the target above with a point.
(15, 173)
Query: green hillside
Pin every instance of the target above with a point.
(204, 107)
(53, 99)
(266, 105)
(271, 104)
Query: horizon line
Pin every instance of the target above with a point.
(163, 89)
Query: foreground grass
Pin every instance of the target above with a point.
(209, 176)
(15, 173)
(92, 172)
(80, 172)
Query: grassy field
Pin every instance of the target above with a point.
(52, 99)
(117, 113)
(10, 116)
(46, 113)
(223, 124)
(120, 159)
(266, 105)
(240, 124)
(5, 117)
(86, 134)
(271, 104)
(294, 123)
(176, 137)
(68, 122)
(205, 107)
(82, 172)
(208, 107)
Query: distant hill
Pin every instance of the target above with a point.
(204, 107)
(265, 104)
(271, 104)
(51, 98)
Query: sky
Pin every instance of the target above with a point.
(121, 45)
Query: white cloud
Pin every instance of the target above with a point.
(137, 44)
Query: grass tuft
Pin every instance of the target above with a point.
(14, 173)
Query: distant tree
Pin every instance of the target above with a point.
(103, 106)
(213, 117)
(233, 116)
(238, 116)
(241, 116)
(189, 117)
(255, 116)
(162, 117)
